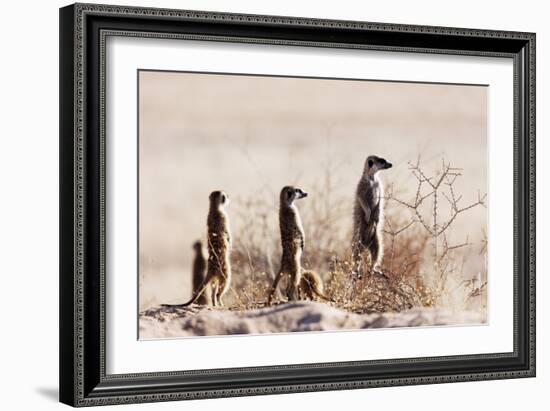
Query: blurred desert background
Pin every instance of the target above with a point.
(251, 135)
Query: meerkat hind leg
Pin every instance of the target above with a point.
(306, 292)
(214, 289)
(376, 252)
(374, 249)
(293, 290)
(222, 289)
(358, 257)
(274, 287)
(207, 296)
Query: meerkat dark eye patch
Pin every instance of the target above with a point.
(370, 163)
(289, 194)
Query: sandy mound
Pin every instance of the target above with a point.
(162, 322)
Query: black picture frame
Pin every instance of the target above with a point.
(83, 29)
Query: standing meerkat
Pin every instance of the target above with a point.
(368, 215)
(199, 273)
(292, 241)
(218, 274)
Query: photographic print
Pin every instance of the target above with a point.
(272, 204)
(230, 181)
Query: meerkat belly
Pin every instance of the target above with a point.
(291, 257)
(375, 194)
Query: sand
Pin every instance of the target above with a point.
(170, 322)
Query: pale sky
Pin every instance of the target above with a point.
(251, 135)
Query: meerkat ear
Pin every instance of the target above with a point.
(370, 163)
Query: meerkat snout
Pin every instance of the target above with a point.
(219, 198)
(375, 164)
(291, 193)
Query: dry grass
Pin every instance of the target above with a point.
(421, 267)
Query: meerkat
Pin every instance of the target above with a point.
(368, 215)
(218, 273)
(311, 285)
(199, 273)
(292, 241)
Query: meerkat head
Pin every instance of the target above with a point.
(197, 246)
(290, 193)
(219, 199)
(373, 164)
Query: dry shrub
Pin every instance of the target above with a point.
(255, 254)
(421, 268)
(438, 263)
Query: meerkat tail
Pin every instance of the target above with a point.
(321, 295)
(202, 289)
(193, 299)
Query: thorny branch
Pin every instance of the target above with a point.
(442, 184)
(427, 214)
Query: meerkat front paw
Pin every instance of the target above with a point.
(378, 271)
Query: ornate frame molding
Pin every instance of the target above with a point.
(83, 36)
